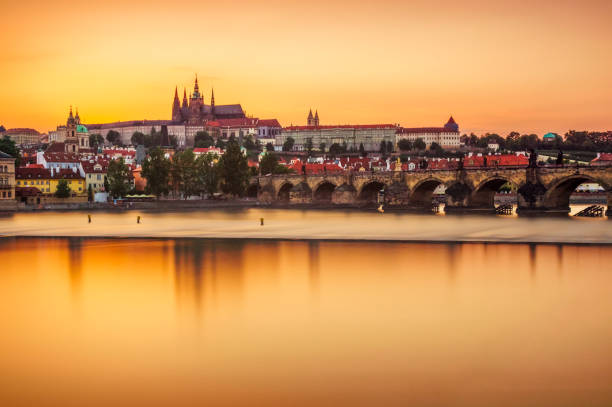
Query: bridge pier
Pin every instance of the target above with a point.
(345, 194)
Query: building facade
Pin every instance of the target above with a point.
(7, 180)
(447, 136)
(22, 136)
(370, 135)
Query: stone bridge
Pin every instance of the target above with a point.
(546, 189)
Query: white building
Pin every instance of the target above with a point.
(447, 136)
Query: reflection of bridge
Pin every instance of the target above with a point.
(540, 189)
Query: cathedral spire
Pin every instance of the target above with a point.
(316, 118)
(212, 102)
(77, 119)
(176, 106)
(196, 88)
(184, 97)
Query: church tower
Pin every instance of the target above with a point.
(176, 106)
(316, 118)
(196, 104)
(310, 119)
(212, 104)
(71, 143)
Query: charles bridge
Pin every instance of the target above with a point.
(541, 189)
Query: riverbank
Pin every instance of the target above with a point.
(307, 224)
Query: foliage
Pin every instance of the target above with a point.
(268, 163)
(208, 173)
(184, 173)
(156, 170)
(90, 193)
(336, 149)
(62, 190)
(118, 176)
(96, 140)
(269, 147)
(203, 140)
(405, 145)
(362, 151)
(419, 144)
(9, 147)
(322, 147)
(137, 138)
(113, 137)
(233, 170)
(436, 148)
(309, 146)
(289, 143)
(220, 144)
(249, 143)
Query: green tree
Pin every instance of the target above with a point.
(208, 173)
(220, 144)
(203, 140)
(156, 170)
(322, 147)
(419, 144)
(269, 147)
(184, 174)
(404, 145)
(233, 170)
(336, 149)
(309, 146)
(118, 178)
(436, 148)
(62, 190)
(249, 143)
(289, 143)
(362, 151)
(90, 193)
(96, 141)
(9, 147)
(390, 147)
(113, 137)
(268, 164)
(137, 138)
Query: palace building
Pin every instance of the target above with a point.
(188, 117)
(447, 136)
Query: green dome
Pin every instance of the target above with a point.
(81, 129)
(550, 135)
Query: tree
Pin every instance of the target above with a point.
(90, 193)
(96, 140)
(383, 148)
(336, 149)
(184, 174)
(9, 147)
(233, 170)
(62, 190)
(419, 144)
(268, 164)
(220, 144)
(309, 146)
(249, 143)
(269, 147)
(389, 147)
(113, 137)
(203, 140)
(156, 170)
(208, 173)
(322, 147)
(362, 151)
(118, 178)
(137, 138)
(436, 148)
(289, 143)
(404, 145)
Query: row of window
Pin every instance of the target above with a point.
(7, 194)
(4, 181)
(3, 168)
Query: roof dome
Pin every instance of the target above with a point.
(550, 135)
(81, 129)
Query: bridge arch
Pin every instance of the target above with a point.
(368, 193)
(484, 193)
(422, 192)
(252, 191)
(558, 194)
(283, 191)
(322, 192)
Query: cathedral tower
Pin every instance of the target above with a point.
(71, 142)
(176, 107)
(310, 119)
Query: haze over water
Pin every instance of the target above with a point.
(243, 322)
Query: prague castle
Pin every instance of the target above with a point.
(188, 118)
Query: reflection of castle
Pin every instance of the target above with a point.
(195, 112)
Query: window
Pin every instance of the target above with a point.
(9, 194)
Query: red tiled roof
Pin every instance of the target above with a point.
(234, 123)
(315, 168)
(22, 130)
(413, 130)
(27, 191)
(268, 123)
(603, 157)
(61, 157)
(32, 173)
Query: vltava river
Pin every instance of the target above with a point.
(108, 322)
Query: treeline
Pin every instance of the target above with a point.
(186, 175)
(571, 141)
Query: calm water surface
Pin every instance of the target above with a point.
(234, 322)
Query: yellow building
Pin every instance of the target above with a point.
(46, 181)
(23, 136)
(7, 180)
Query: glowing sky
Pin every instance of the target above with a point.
(495, 65)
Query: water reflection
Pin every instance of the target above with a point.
(237, 322)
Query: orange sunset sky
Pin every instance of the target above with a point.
(530, 66)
